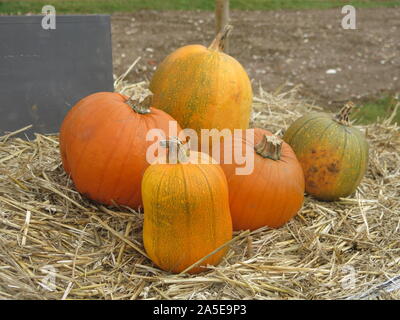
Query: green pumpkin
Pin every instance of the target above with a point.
(333, 154)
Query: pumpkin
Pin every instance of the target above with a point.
(103, 146)
(186, 211)
(203, 88)
(273, 192)
(333, 154)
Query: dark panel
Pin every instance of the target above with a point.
(43, 73)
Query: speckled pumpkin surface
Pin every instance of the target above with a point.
(186, 214)
(333, 155)
(203, 88)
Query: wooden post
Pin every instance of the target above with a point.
(222, 17)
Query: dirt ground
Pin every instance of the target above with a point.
(277, 48)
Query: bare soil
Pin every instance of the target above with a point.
(277, 48)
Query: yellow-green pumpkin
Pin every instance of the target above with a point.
(186, 210)
(332, 153)
(203, 88)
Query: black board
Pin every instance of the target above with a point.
(43, 73)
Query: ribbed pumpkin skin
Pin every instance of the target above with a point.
(203, 89)
(186, 214)
(271, 195)
(103, 147)
(334, 156)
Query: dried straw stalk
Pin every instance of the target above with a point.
(55, 244)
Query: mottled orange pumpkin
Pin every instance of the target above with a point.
(333, 154)
(273, 192)
(103, 146)
(203, 88)
(186, 212)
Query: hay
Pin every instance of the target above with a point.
(55, 244)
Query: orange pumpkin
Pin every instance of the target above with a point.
(103, 146)
(273, 192)
(203, 88)
(186, 211)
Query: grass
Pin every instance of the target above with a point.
(373, 110)
(107, 6)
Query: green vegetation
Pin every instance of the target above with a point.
(373, 110)
(110, 6)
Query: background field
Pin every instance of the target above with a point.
(270, 39)
(106, 6)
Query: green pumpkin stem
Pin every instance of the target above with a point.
(269, 147)
(142, 107)
(219, 42)
(178, 152)
(344, 113)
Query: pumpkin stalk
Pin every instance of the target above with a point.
(344, 113)
(177, 151)
(142, 107)
(219, 42)
(269, 147)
